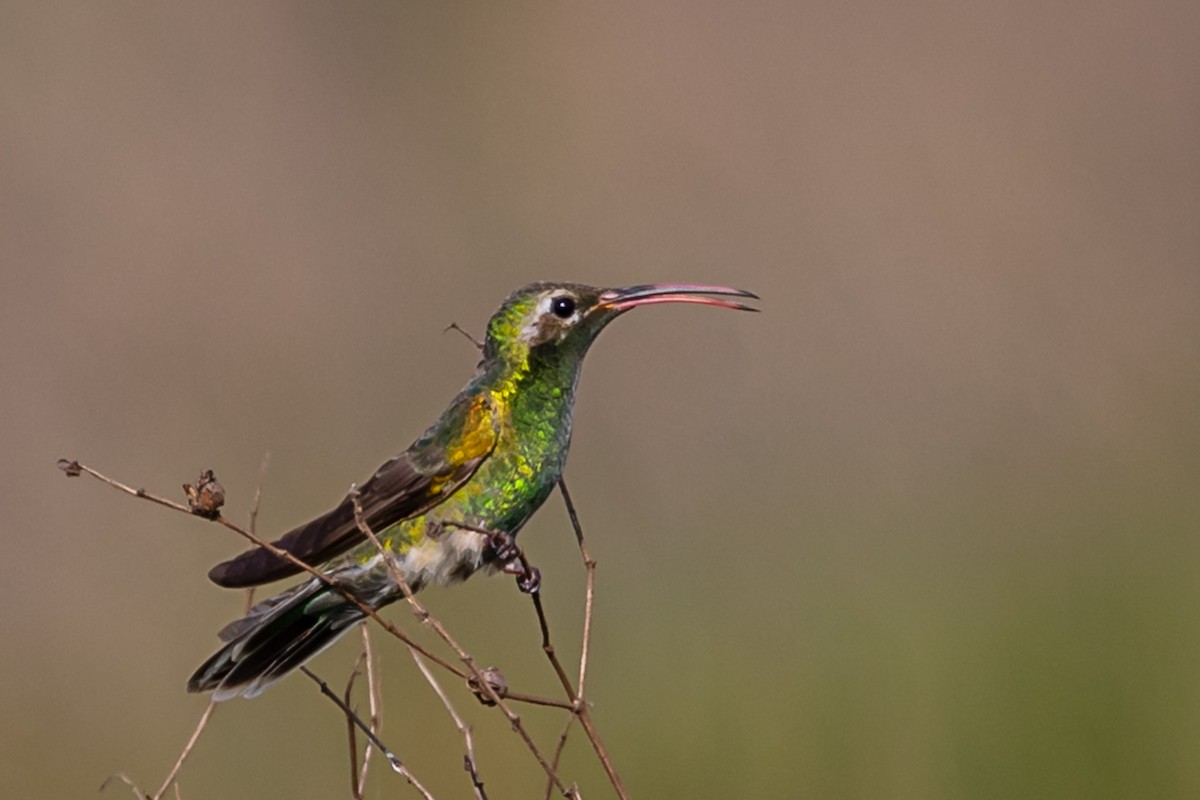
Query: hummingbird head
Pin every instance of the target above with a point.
(549, 321)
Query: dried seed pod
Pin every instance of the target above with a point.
(206, 497)
(495, 679)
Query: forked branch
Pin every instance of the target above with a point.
(397, 765)
(205, 501)
(478, 677)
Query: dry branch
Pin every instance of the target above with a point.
(423, 615)
(469, 762)
(397, 765)
(205, 501)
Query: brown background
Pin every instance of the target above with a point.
(926, 528)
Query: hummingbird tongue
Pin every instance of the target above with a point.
(650, 294)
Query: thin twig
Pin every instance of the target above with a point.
(373, 705)
(187, 750)
(358, 774)
(212, 704)
(535, 700)
(351, 732)
(558, 751)
(551, 653)
(125, 779)
(589, 565)
(262, 474)
(397, 765)
(75, 468)
(454, 326)
(581, 707)
(536, 596)
(469, 762)
(428, 619)
(262, 471)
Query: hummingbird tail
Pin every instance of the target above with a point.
(276, 637)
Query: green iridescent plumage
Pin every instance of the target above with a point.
(488, 463)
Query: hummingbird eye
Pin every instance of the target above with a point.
(563, 307)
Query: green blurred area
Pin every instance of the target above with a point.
(925, 528)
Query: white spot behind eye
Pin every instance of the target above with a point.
(543, 309)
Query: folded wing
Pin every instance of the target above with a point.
(410, 484)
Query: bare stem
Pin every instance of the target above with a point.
(128, 781)
(581, 706)
(469, 762)
(373, 704)
(262, 471)
(454, 326)
(428, 619)
(536, 596)
(75, 468)
(397, 765)
(212, 704)
(187, 750)
(351, 734)
(558, 751)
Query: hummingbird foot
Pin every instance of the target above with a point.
(500, 547)
(529, 579)
(503, 548)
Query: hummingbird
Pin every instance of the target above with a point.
(487, 464)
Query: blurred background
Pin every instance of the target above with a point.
(925, 528)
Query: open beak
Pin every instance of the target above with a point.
(651, 293)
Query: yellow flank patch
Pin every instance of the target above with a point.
(478, 436)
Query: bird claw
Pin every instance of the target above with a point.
(529, 581)
(502, 547)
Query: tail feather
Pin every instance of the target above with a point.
(276, 637)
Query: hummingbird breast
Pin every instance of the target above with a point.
(526, 463)
(534, 436)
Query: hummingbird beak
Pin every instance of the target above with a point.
(649, 294)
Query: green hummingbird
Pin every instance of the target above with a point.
(487, 464)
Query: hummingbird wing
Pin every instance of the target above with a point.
(426, 474)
